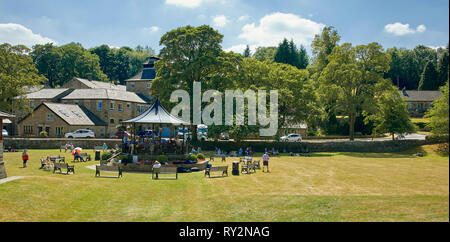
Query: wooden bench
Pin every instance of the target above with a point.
(164, 170)
(44, 165)
(248, 168)
(85, 156)
(223, 169)
(211, 158)
(257, 164)
(99, 168)
(59, 166)
(57, 158)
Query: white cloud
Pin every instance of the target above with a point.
(185, 3)
(273, 28)
(15, 34)
(152, 29)
(220, 21)
(243, 18)
(421, 28)
(240, 48)
(400, 29)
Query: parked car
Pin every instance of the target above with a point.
(120, 134)
(81, 133)
(292, 138)
(224, 136)
(4, 132)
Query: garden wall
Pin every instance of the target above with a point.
(385, 146)
(257, 146)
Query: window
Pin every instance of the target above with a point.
(28, 129)
(148, 85)
(111, 107)
(59, 131)
(128, 106)
(99, 106)
(111, 121)
(75, 102)
(50, 117)
(102, 132)
(120, 107)
(140, 108)
(31, 103)
(132, 86)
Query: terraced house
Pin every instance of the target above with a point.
(86, 104)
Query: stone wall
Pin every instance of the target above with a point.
(56, 143)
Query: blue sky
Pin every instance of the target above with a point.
(119, 23)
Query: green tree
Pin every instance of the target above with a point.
(47, 59)
(265, 53)
(303, 58)
(439, 112)
(17, 73)
(189, 55)
(247, 52)
(352, 77)
(322, 46)
(391, 115)
(61, 64)
(442, 68)
(429, 79)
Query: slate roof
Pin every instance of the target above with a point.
(104, 94)
(148, 72)
(75, 114)
(420, 96)
(46, 93)
(98, 84)
(157, 114)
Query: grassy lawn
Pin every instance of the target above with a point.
(323, 187)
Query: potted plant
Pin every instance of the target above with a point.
(200, 157)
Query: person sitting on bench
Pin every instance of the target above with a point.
(78, 157)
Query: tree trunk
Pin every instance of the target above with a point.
(351, 123)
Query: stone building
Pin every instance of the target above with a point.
(419, 101)
(80, 83)
(56, 119)
(112, 106)
(110, 103)
(141, 82)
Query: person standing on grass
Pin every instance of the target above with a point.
(25, 158)
(265, 161)
(156, 166)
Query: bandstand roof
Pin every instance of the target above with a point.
(157, 114)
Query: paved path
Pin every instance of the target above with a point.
(10, 179)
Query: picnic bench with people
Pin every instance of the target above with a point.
(99, 168)
(223, 169)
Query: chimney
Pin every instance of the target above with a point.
(89, 76)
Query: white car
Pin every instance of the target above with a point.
(81, 133)
(292, 138)
(4, 132)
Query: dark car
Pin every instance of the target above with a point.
(120, 134)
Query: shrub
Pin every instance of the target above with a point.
(192, 157)
(163, 158)
(201, 156)
(106, 155)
